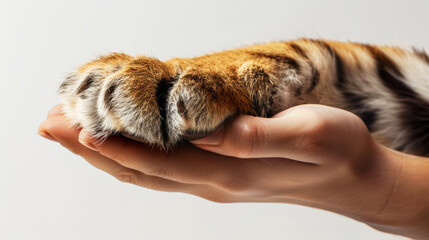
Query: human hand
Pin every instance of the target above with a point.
(310, 155)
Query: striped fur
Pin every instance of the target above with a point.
(162, 103)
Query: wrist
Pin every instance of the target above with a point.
(406, 207)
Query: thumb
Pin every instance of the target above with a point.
(255, 137)
(240, 137)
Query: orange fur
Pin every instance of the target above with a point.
(163, 102)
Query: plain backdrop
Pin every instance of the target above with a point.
(47, 192)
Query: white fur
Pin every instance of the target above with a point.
(125, 116)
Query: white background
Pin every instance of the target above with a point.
(47, 192)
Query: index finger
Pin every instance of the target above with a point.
(55, 111)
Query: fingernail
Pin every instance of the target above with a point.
(213, 139)
(85, 140)
(46, 135)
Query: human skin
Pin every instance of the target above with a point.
(310, 155)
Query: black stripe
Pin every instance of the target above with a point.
(86, 83)
(70, 80)
(421, 54)
(298, 91)
(298, 50)
(108, 95)
(390, 75)
(278, 58)
(260, 82)
(356, 103)
(314, 79)
(162, 92)
(415, 112)
(315, 74)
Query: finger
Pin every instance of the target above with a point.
(253, 137)
(188, 164)
(57, 127)
(297, 134)
(57, 110)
